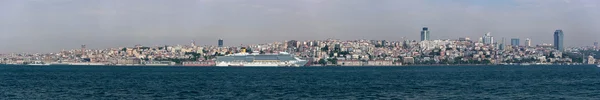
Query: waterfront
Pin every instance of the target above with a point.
(492, 82)
(330, 52)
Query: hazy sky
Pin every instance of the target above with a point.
(52, 25)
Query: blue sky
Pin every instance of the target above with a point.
(52, 25)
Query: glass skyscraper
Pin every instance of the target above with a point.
(425, 34)
(502, 44)
(220, 44)
(559, 40)
(515, 42)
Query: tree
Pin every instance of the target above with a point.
(216, 53)
(194, 56)
(446, 61)
(476, 62)
(176, 60)
(330, 54)
(336, 49)
(552, 55)
(333, 60)
(145, 48)
(344, 53)
(322, 62)
(204, 50)
(458, 60)
(326, 48)
(249, 50)
(486, 61)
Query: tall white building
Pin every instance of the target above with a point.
(591, 60)
(488, 38)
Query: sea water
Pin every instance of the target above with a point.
(441, 82)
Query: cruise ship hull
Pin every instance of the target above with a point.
(38, 64)
(87, 64)
(157, 65)
(250, 64)
(260, 60)
(246, 65)
(57, 64)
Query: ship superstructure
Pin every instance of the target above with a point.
(282, 59)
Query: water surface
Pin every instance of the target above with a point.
(491, 82)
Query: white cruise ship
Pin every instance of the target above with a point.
(282, 59)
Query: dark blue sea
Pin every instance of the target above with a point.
(452, 82)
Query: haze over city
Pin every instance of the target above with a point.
(52, 25)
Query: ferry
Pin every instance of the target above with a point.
(282, 59)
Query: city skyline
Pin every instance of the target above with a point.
(485, 39)
(49, 26)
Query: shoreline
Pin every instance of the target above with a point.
(437, 65)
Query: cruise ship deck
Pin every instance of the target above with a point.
(282, 59)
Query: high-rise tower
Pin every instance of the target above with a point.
(559, 40)
(488, 38)
(220, 44)
(425, 34)
(83, 49)
(502, 44)
(515, 41)
(528, 42)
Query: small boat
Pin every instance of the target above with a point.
(597, 65)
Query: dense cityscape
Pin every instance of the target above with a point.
(483, 50)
